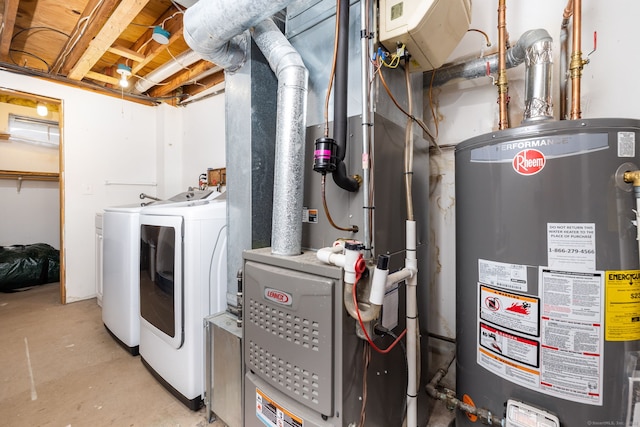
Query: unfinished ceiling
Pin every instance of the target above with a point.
(99, 43)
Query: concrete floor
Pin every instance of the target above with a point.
(60, 367)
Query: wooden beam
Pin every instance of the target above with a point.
(82, 34)
(126, 12)
(181, 78)
(127, 53)
(156, 51)
(8, 20)
(204, 84)
(102, 78)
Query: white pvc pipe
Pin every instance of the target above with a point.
(170, 68)
(411, 263)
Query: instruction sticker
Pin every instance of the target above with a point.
(626, 144)
(517, 313)
(272, 414)
(572, 342)
(310, 215)
(503, 275)
(622, 305)
(571, 246)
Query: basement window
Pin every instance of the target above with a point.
(34, 131)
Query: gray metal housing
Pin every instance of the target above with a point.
(502, 216)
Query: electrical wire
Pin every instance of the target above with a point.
(62, 57)
(415, 119)
(366, 359)
(38, 29)
(353, 228)
(24, 52)
(364, 329)
(384, 331)
(332, 73)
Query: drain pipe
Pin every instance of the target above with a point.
(286, 63)
(478, 67)
(340, 176)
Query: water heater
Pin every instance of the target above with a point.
(548, 292)
(429, 29)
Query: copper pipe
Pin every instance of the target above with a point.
(503, 87)
(577, 63)
(564, 60)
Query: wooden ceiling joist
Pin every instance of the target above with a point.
(8, 19)
(127, 53)
(124, 14)
(102, 78)
(181, 78)
(94, 16)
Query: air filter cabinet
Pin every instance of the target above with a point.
(548, 312)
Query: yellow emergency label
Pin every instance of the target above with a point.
(622, 305)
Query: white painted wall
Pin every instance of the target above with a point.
(469, 108)
(114, 150)
(203, 138)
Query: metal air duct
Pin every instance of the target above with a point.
(170, 68)
(292, 75)
(477, 67)
(217, 32)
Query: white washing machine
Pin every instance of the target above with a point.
(121, 267)
(183, 274)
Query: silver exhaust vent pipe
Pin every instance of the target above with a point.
(537, 90)
(217, 31)
(288, 180)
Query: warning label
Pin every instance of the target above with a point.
(571, 246)
(273, 415)
(622, 302)
(517, 313)
(514, 347)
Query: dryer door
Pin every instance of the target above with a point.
(161, 278)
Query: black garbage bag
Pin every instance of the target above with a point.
(28, 265)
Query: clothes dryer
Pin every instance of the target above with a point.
(182, 280)
(121, 261)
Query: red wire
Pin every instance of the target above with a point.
(369, 340)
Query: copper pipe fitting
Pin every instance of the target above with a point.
(577, 63)
(503, 87)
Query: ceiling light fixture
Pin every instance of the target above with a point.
(42, 110)
(125, 73)
(160, 35)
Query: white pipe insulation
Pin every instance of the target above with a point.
(170, 68)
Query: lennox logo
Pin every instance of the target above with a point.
(278, 296)
(528, 162)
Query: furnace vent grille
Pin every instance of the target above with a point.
(284, 325)
(288, 376)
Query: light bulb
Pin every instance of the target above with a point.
(42, 110)
(124, 82)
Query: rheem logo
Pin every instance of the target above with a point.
(528, 162)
